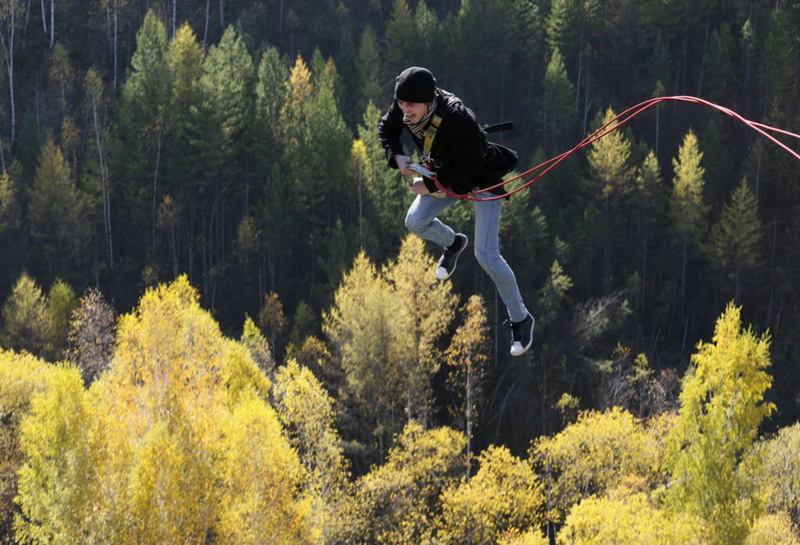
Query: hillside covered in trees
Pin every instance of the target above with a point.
(195, 213)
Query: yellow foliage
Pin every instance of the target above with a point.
(262, 476)
(423, 307)
(722, 406)
(300, 83)
(306, 411)
(163, 473)
(594, 454)
(21, 377)
(55, 486)
(529, 537)
(359, 327)
(779, 476)
(504, 495)
(399, 502)
(176, 442)
(629, 520)
(777, 529)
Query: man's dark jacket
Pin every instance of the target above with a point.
(464, 159)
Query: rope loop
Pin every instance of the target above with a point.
(615, 123)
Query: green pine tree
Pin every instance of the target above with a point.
(734, 246)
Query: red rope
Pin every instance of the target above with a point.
(612, 125)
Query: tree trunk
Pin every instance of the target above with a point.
(205, 31)
(44, 18)
(7, 43)
(52, 23)
(104, 181)
(155, 184)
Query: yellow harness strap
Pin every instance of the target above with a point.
(429, 135)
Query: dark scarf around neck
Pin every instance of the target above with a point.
(418, 128)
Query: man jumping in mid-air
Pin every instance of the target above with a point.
(456, 151)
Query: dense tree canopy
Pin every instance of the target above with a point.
(210, 170)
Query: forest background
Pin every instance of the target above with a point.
(233, 144)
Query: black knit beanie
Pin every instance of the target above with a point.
(415, 84)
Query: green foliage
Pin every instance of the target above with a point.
(399, 37)
(10, 217)
(57, 221)
(228, 82)
(734, 245)
(370, 71)
(27, 323)
(385, 195)
(558, 107)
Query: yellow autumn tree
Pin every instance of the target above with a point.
(22, 377)
(775, 529)
(593, 455)
(528, 537)
(384, 328)
(57, 482)
(174, 443)
(467, 356)
(399, 502)
(424, 308)
(628, 520)
(307, 412)
(504, 496)
(263, 477)
(359, 326)
(722, 407)
(779, 475)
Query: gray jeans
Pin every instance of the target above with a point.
(422, 221)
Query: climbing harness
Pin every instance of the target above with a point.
(612, 125)
(428, 136)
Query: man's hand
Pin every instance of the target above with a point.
(418, 187)
(402, 163)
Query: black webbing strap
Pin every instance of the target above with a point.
(499, 127)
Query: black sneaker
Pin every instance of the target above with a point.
(521, 335)
(447, 263)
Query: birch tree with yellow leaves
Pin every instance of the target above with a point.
(174, 443)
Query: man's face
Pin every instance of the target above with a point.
(413, 112)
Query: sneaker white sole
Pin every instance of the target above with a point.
(516, 347)
(441, 272)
